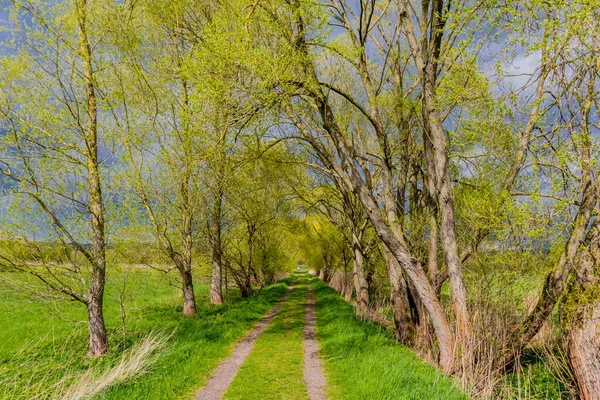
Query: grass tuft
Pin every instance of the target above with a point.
(134, 361)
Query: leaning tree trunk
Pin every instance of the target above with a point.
(360, 282)
(97, 330)
(353, 180)
(405, 328)
(344, 165)
(556, 279)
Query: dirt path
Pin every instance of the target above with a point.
(226, 372)
(313, 370)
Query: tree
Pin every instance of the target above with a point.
(57, 141)
(258, 205)
(164, 133)
(345, 212)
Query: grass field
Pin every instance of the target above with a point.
(362, 361)
(43, 343)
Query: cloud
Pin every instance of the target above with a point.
(522, 69)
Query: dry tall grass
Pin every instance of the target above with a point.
(134, 361)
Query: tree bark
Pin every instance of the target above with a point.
(216, 296)
(582, 305)
(97, 330)
(98, 339)
(584, 352)
(344, 165)
(405, 328)
(556, 280)
(416, 274)
(184, 261)
(426, 53)
(245, 286)
(432, 259)
(360, 282)
(437, 157)
(348, 173)
(184, 265)
(189, 300)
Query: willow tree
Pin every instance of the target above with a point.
(258, 207)
(164, 134)
(342, 210)
(567, 159)
(57, 141)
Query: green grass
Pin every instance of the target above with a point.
(537, 379)
(274, 369)
(42, 342)
(362, 361)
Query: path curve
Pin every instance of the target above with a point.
(226, 372)
(313, 369)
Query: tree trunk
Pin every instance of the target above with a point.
(353, 180)
(405, 328)
(344, 165)
(360, 283)
(324, 273)
(189, 300)
(583, 299)
(98, 338)
(424, 334)
(556, 280)
(437, 155)
(184, 261)
(432, 259)
(426, 56)
(216, 296)
(584, 352)
(449, 242)
(245, 286)
(414, 271)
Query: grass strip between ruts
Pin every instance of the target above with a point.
(274, 369)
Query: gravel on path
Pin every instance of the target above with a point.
(226, 372)
(313, 369)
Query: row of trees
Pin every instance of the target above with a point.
(392, 100)
(424, 149)
(112, 134)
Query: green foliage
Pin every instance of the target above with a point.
(259, 214)
(323, 245)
